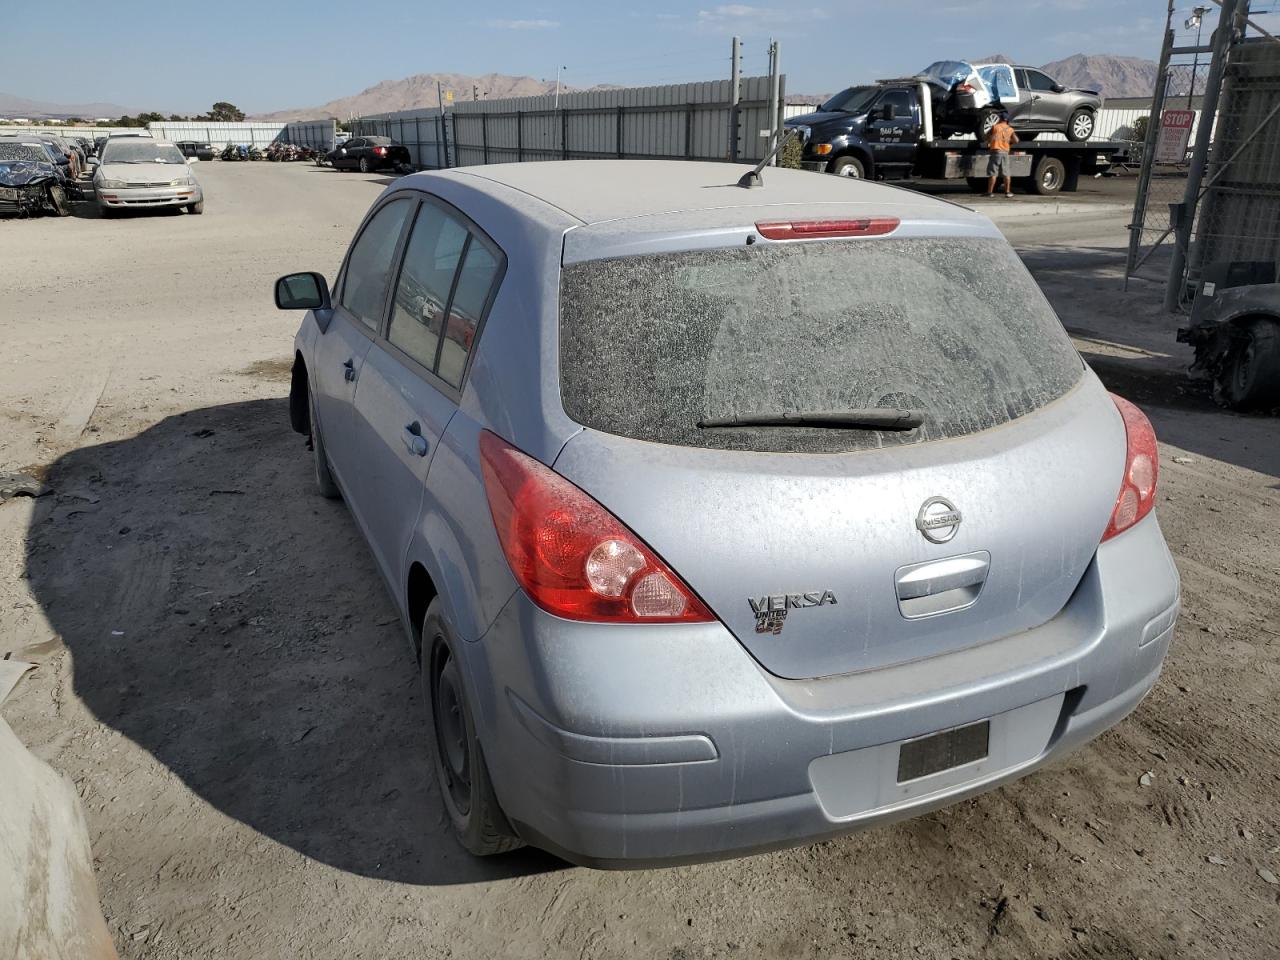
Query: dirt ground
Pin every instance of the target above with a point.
(221, 674)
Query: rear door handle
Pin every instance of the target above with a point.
(941, 586)
(413, 439)
(349, 371)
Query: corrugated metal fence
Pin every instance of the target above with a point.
(690, 121)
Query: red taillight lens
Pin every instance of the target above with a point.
(1141, 470)
(572, 556)
(964, 88)
(820, 229)
(380, 151)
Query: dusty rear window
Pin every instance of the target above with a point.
(954, 327)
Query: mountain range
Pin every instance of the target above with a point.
(14, 106)
(1111, 76)
(421, 90)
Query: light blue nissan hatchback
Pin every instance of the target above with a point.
(722, 518)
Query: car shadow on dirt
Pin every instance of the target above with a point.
(230, 621)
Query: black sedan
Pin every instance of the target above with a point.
(194, 148)
(368, 154)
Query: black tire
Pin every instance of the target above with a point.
(365, 166)
(850, 167)
(325, 483)
(461, 773)
(987, 118)
(197, 207)
(977, 184)
(1250, 376)
(1049, 176)
(1080, 125)
(58, 197)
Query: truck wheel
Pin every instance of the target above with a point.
(1080, 126)
(1250, 377)
(1049, 176)
(848, 167)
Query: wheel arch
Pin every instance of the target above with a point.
(299, 405)
(859, 153)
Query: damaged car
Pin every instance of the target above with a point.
(968, 98)
(29, 181)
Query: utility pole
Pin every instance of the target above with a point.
(444, 122)
(1195, 20)
(1184, 214)
(558, 69)
(475, 92)
(735, 97)
(775, 68)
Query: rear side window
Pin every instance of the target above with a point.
(426, 279)
(954, 327)
(1039, 81)
(900, 100)
(364, 289)
(475, 281)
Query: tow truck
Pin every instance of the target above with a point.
(891, 137)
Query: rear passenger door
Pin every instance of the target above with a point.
(413, 376)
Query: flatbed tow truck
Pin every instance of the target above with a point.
(893, 138)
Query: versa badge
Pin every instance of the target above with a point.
(771, 611)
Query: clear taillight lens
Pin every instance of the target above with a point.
(1141, 470)
(572, 556)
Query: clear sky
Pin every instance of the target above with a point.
(267, 55)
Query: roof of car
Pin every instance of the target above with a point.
(593, 191)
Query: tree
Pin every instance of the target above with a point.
(152, 117)
(174, 116)
(223, 112)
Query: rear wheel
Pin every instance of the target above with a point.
(1049, 176)
(365, 166)
(1250, 377)
(461, 773)
(848, 167)
(1080, 126)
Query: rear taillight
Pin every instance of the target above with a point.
(964, 88)
(821, 229)
(572, 556)
(1141, 468)
(380, 151)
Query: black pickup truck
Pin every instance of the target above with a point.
(885, 131)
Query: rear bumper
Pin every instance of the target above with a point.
(626, 747)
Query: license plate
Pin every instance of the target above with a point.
(8, 193)
(942, 751)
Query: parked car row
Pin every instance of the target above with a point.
(37, 175)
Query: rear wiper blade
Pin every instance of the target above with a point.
(864, 418)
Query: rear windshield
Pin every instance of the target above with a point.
(953, 327)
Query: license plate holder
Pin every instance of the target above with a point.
(945, 750)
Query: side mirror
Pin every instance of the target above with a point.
(303, 291)
(94, 161)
